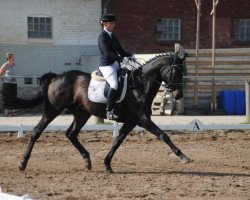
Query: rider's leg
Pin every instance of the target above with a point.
(110, 105)
(110, 74)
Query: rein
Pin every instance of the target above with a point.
(168, 86)
(153, 79)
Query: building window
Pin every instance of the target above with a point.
(39, 27)
(38, 81)
(242, 30)
(168, 29)
(28, 81)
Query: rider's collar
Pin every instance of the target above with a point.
(110, 33)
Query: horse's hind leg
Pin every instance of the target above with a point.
(72, 133)
(37, 131)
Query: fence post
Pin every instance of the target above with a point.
(247, 87)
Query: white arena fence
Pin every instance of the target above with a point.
(195, 125)
(6, 196)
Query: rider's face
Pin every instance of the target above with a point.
(109, 26)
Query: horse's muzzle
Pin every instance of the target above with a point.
(178, 94)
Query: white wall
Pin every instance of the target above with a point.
(74, 22)
(75, 29)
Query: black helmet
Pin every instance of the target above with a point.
(108, 18)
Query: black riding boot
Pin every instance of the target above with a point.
(111, 100)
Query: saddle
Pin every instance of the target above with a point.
(99, 87)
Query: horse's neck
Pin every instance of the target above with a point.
(152, 80)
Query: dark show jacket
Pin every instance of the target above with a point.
(110, 49)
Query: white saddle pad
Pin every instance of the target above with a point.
(96, 89)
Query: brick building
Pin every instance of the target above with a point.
(153, 26)
(149, 26)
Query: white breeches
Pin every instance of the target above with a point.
(110, 74)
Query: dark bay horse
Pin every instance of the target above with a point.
(70, 91)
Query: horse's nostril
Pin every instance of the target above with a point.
(178, 94)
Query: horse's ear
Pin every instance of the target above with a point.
(184, 56)
(179, 57)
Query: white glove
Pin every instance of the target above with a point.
(125, 60)
(132, 58)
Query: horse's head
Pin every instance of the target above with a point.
(168, 69)
(173, 76)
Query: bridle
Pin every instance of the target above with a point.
(171, 85)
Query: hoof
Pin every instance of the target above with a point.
(88, 163)
(88, 166)
(21, 166)
(185, 160)
(109, 170)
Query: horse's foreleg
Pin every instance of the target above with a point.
(153, 128)
(37, 131)
(72, 133)
(124, 131)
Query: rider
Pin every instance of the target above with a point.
(111, 55)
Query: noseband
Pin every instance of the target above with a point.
(169, 73)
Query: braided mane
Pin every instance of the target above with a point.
(157, 56)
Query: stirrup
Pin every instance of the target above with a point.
(111, 115)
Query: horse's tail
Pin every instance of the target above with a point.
(18, 103)
(45, 80)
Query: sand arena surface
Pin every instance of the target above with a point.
(144, 167)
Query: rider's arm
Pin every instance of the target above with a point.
(121, 51)
(3, 69)
(105, 46)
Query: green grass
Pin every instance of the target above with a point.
(245, 122)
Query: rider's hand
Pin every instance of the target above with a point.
(132, 58)
(125, 60)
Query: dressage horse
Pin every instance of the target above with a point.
(70, 91)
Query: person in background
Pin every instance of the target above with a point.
(8, 71)
(111, 55)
